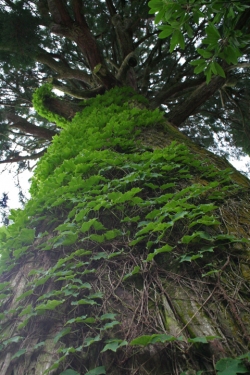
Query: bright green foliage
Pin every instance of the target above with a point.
(38, 101)
(221, 39)
(101, 186)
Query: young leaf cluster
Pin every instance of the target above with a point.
(222, 39)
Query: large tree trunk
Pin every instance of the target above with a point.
(126, 235)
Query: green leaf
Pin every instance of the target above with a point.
(166, 31)
(101, 255)
(230, 366)
(19, 353)
(147, 339)
(108, 316)
(28, 293)
(14, 339)
(164, 249)
(199, 234)
(42, 343)
(50, 305)
(245, 356)
(210, 273)
(69, 372)
(113, 345)
(110, 325)
(204, 53)
(177, 38)
(202, 340)
(189, 258)
(134, 271)
(91, 340)
(197, 62)
(28, 309)
(83, 302)
(97, 371)
(62, 333)
(219, 70)
(212, 32)
(96, 237)
(200, 68)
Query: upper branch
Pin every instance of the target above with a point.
(22, 124)
(185, 109)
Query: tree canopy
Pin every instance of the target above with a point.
(84, 49)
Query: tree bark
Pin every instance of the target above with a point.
(189, 106)
(78, 31)
(63, 70)
(21, 123)
(20, 158)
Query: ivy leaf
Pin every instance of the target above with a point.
(230, 366)
(25, 294)
(62, 333)
(134, 271)
(66, 238)
(202, 340)
(101, 255)
(90, 340)
(200, 234)
(114, 345)
(42, 343)
(83, 302)
(97, 371)
(108, 316)
(163, 249)
(28, 309)
(50, 305)
(110, 325)
(14, 339)
(147, 339)
(19, 353)
(69, 372)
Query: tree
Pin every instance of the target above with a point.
(132, 254)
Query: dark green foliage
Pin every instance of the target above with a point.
(19, 39)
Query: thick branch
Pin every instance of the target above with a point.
(185, 109)
(22, 158)
(168, 93)
(79, 94)
(111, 8)
(64, 71)
(62, 107)
(80, 33)
(20, 123)
(59, 13)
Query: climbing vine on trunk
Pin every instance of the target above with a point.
(125, 247)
